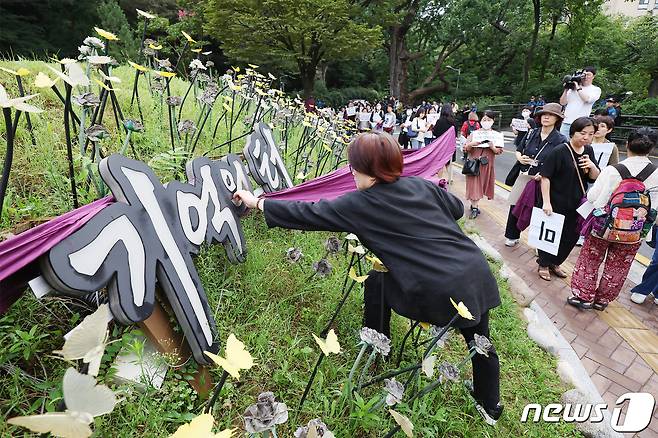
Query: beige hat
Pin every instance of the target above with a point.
(551, 108)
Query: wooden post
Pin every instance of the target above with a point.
(159, 331)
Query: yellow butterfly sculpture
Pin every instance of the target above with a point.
(201, 427)
(330, 345)
(237, 357)
(84, 400)
(357, 278)
(462, 309)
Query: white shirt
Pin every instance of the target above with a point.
(576, 107)
(609, 178)
(420, 126)
(389, 120)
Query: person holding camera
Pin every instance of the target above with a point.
(578, 96)
(483, 182)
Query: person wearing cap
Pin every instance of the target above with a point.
(530, 154)
(610, 108)
(579, 100)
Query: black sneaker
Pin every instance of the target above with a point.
(490, 416)
(474, 213)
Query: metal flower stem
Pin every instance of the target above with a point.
(200, 128)
(98, 114)
(139, 105)
(419, 394)
(63, 99)
(126, 142)
(404, 341)
(180, 56)
(371, 358)
(81, 132)
(219, 119)
(310, 381)
(469, 356)
(430, 348)
(230, 131)
(229, 142)
(390, 374)
(27, 115)
(171, 128)
(216, 391)
(340, 306)
(69, 147)
(9, 154)
(364, 347)
(141, 51)
(180, 111)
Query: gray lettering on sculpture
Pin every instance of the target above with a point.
(151, 233)
(264, 161)
(234, 177)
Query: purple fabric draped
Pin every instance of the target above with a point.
(19, 251)
(524, 205)
(425, 162)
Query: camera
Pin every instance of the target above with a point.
(577, 77)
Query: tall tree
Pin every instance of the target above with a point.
(292, 34)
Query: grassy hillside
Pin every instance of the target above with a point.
(268, 303)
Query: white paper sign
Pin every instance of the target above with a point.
(376, 118)
(585, 209)
(545, 231)
(364, 117)
(351, 111)
(433, 118)
(483, 135)
(519, 125)
(602, 152)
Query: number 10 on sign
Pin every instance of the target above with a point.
(545, 231)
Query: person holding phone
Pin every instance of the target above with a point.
(481, 185)
(564, 177)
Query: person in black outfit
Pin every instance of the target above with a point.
(531, 153)
(410, 224)
(564, 177)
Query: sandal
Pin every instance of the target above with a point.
(544, 273)
(599, 306)
(558, 271)
(577, 302)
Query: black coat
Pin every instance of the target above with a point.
(411, 226)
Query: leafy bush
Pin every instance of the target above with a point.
(642, 107)
(338, 97)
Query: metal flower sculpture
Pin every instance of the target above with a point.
(394, 391)
(266, 414)
(322, 268)
(293, 255)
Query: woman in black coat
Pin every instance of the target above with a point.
(410, 224)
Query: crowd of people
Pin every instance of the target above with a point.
(556, 170)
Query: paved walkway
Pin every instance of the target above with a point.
(618, 347)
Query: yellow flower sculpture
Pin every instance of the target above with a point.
(105, 34)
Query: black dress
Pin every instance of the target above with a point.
(411, 226)
(566, 194)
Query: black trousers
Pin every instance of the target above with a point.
(486, 370)
(511, 229)
(567, 242)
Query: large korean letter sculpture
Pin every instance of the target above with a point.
(149, 235)
(264, 160)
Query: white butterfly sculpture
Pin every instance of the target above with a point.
(87, 340)
(84, 400)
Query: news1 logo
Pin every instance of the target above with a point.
(638, 414)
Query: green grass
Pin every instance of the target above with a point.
(269, 304)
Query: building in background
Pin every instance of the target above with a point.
(635, 8)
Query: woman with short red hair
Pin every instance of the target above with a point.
(410, 224)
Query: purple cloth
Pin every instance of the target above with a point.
(425, 162)
(523, 208)
(19, 251)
